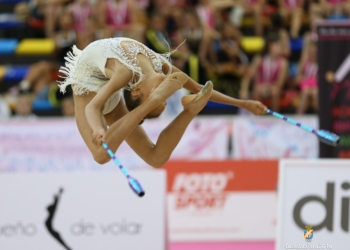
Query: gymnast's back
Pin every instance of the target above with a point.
(85, 69)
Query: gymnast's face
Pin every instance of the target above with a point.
(143, 90)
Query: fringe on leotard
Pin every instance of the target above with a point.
(69, 68)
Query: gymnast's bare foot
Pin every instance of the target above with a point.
(196, 102)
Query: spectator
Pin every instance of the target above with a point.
(23, 109)
(278, 28)
(252, 8)
(157, 37)
(67, 106)
(66, 37)
(206, 14)
(53, 10)
(91, 33)
(292, 10)
(335, 7)
(81, 10)
(311, 36)
(270, 71)
(32, 21)
(119, 18)
(197, 38)
(195, 50)
(143, 4)
(307, 79)
(160, 6)
(172, 14)
(5, 111)
(37, 12)
(39, 76)
(230, 61)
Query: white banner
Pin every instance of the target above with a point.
(55, 144)
(270, 138)
(314, 204)
(74, 211)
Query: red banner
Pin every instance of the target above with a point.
(217, 200)
(240, 175)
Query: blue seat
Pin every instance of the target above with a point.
(337, 18)
(15, 73)
(293, 69)
(296, 45)
(8, 46)
(39, 105)
(9, 20)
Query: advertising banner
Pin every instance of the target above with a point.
(313, 204)
(74, 211)
(334, 85)
(56, 145)
(270, 138)
(221, 200)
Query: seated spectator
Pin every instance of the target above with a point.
(91, 34)
(157, 37)
(197, 38)
(120, 18)
(193, 67)
(81, 10)
(23, 108)
(143, 4)
(277, 27)
(160, 6)
(67, 106)
(37, 16)
(307, 79)
(311, 36)
(5, 111)
(269, 72)
(32, 18)
(251, 8)
(195, 51)
(335, 7)
(206, 14)
(292, 10)
(38, 77)
(230, 61)
(65, 37)
(53, 10)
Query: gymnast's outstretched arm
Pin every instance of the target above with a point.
(255, 107)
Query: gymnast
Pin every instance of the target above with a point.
(97, 75)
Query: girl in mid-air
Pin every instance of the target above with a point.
(97, 75)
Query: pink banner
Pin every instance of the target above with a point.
(270, 138)
(55, 144)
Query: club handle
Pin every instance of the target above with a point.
(115, 159)
(291, 121)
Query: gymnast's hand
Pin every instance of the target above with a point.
(98, 136)
(256, 107)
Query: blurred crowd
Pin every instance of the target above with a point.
(281, 76)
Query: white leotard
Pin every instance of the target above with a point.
(85, 69)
